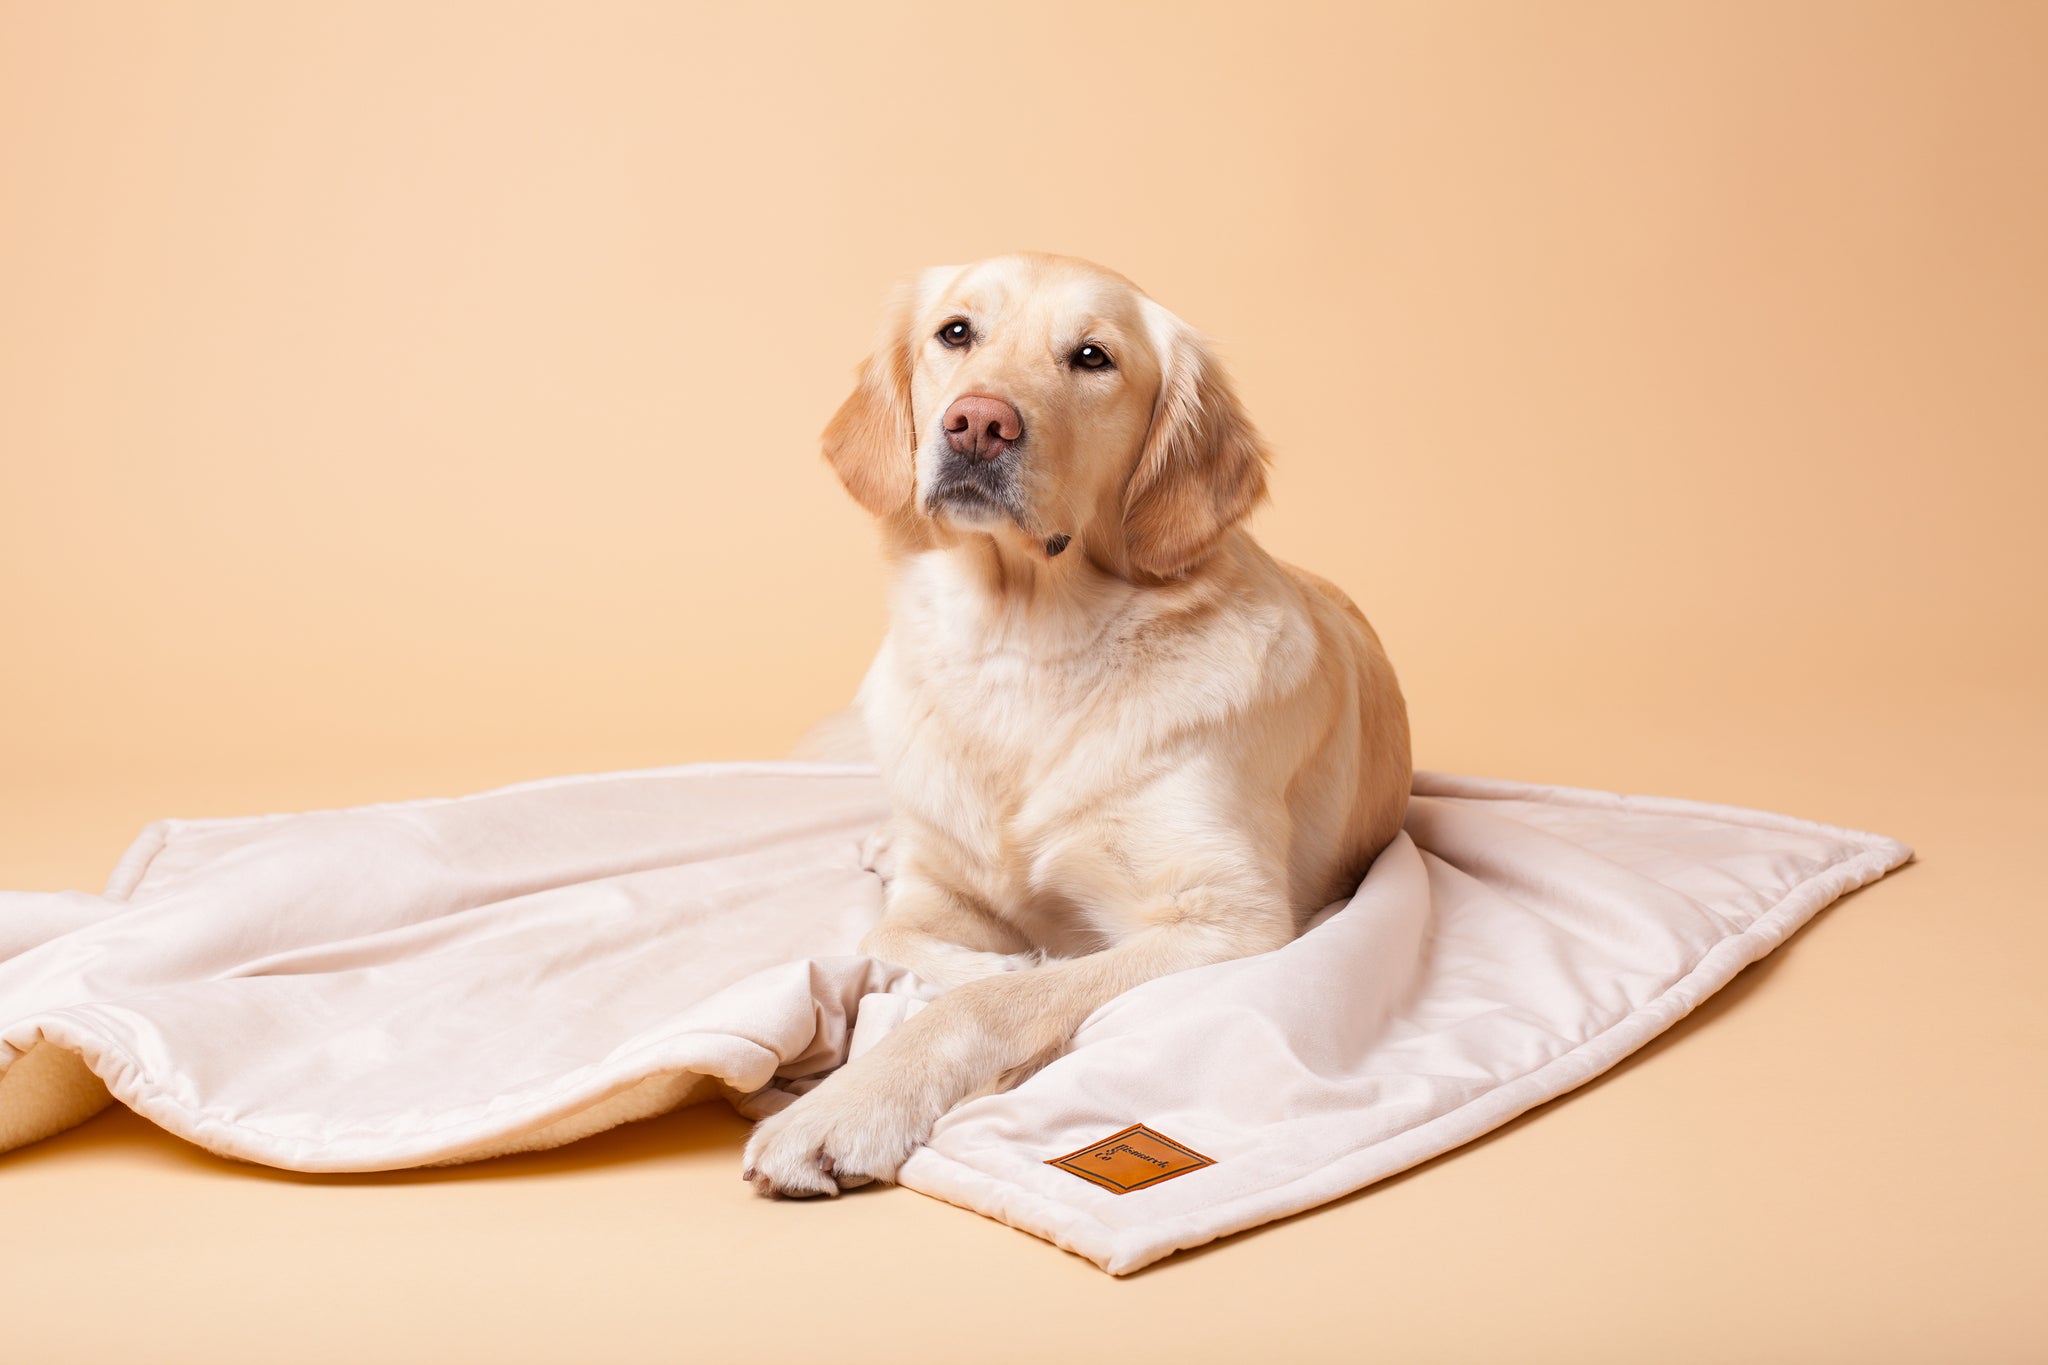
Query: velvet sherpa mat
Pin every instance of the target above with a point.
(441, 981)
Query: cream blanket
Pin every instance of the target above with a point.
(439, 981)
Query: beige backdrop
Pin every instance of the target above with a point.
(401, 399)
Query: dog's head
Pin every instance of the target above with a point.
(1047, 401)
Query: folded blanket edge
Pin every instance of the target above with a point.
(1121, 1252)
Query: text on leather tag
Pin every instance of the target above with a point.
(1134, 1159)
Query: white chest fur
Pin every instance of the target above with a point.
(1048, 750)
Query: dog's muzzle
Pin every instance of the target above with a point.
(977, 488)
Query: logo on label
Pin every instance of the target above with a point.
(1134, 1159)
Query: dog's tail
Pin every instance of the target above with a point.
(840, 737)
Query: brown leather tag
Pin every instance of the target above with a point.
(1135, 1159)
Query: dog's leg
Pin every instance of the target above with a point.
(869, 1115)
(941, 936)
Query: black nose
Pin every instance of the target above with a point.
(982, 427)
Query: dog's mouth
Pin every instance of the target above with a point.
(964, 498)
(977, 494)
(980, 495)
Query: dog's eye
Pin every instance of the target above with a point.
(1091, 357)
(956, 333)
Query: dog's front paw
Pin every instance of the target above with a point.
(836, 1138)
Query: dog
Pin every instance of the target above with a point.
(1119, 739)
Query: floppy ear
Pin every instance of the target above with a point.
(1203, 466)
(871, 440)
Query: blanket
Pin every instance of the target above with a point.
(446, 980)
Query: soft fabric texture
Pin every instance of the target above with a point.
(440, 981)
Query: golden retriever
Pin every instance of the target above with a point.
(1119, 739)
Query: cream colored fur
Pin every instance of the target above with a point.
(1144, 749)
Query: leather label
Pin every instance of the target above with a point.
(1135, 1159)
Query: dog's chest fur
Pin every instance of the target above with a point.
(1039, 749)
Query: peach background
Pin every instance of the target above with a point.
(400, 399)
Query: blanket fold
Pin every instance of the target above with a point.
(436, 981)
